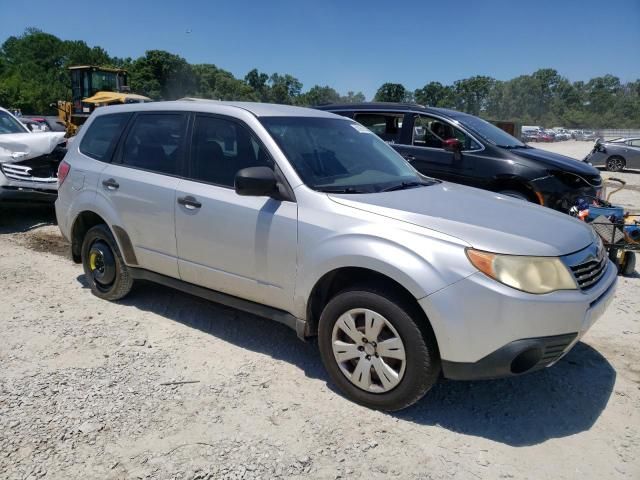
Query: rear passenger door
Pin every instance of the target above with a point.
(140, 185)
(239, 245)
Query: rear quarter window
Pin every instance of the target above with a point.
(101, 138)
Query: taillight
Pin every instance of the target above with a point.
(63, 170)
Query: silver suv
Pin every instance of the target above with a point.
(310, 219)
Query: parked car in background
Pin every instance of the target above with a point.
(50, 122)
(586, 136)
(562, 134)
(462, 148)
(310, 219)
(28, 161)
(529, 136)
(34, 125)
(615, 155)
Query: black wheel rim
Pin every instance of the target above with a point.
(102, 265)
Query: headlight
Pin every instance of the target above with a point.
(529, 274)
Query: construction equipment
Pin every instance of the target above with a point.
(92, 87)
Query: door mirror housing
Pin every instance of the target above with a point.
(452, 145)
(257, 182)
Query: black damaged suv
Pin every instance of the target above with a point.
(462, 148)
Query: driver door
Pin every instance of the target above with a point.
(239, 245)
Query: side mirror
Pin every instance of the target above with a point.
(452, 145)
(257, 182)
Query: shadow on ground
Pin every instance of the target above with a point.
(557, 402)
(19, 217)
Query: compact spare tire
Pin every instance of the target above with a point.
(105, 270)
(377, 348)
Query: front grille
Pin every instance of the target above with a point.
(589, 272)
(14, 171)
(554, 349)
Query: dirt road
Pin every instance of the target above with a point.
(88, 389)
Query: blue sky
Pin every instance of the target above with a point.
(357, 45)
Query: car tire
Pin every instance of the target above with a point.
(515, 194)
(408, 371)
(615, 164)
(104, 269)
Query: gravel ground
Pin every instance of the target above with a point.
(88, 389)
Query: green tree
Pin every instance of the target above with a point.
(318, 95)
(435, 94)
(162, 75)
(259, 83)
(391, 92)
(284, 88)
(353, 97)
(472, 94)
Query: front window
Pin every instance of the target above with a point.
(431, 132)
(337, 155)
(490, 132)
(103, 82)
(8, 124)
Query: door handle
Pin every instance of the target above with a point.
(189, 202)
(111, 184)
(409, 158)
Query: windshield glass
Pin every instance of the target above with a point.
(8, 124)
(490, 132)
(342, 156)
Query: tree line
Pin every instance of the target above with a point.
(33, 75)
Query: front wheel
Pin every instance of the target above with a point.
(104, 268)
(615, 164)
(377, 350)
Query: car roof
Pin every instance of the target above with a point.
(382, 106)
(214, 106)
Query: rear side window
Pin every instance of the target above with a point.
(102, 136)
(154, 142)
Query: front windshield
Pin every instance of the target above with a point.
(490, 132)
(339, 155)
(8, 124)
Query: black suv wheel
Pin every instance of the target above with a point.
(104, 268)
(375, 351)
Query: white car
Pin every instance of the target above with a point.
(28, 161)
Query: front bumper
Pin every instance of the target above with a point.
(559, 196)
(486, 329)
(20, 190)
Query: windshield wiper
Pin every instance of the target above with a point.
(405, 185)
(341, 190)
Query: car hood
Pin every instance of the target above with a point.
(17, 147)
(557, 161)
(484, 220)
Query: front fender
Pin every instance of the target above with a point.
(414, 261)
